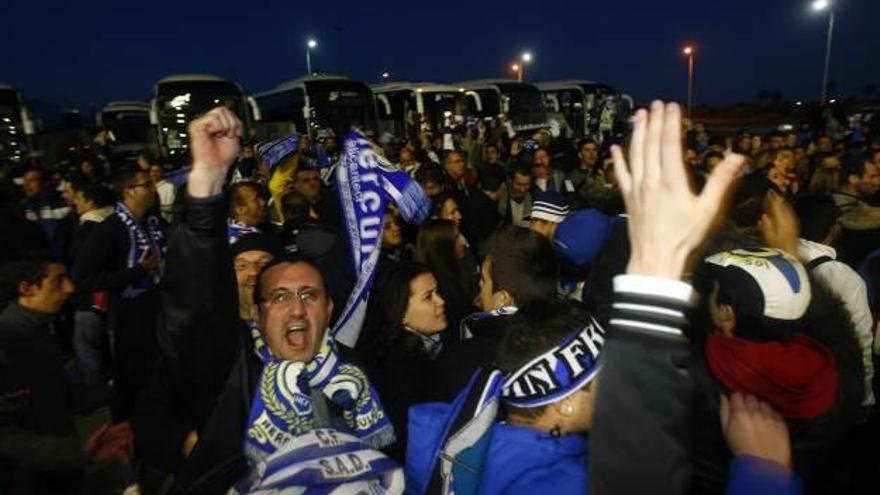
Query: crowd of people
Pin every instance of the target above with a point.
(487, 313)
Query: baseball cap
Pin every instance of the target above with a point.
(580, 236)
(769, 290)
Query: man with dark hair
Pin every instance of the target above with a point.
(515, 201)
(484, 203)
(43, 206)
(859, 178)
(288, 336)
(588, 167)
(124, 255)
(39, 447)
(430, 177)
(247, 210)
(94, 204)
(860, 221)
(520, 268)
(819, 233)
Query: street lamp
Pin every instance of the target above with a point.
(690, 52)
(818, 6)
(310, 45)
(516, 70)
(525, 59)
(386, 75)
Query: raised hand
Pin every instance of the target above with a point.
(752, 427)
(111, 442)
(214, 144)
(667, 221)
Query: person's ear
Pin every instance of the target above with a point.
(25, 289)
(503, 298)
(728, 319)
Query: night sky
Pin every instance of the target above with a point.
(90, 51)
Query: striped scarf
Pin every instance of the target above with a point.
(141, 241)
(236, 229)
(282, 408)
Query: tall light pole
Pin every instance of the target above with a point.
(818, 6)
(517, 69)
(309, 46)
(690, 52)
(525, 59)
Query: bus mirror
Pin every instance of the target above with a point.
(307, 112)
(255, 109)
(154, 113)
(29, 126)
(505, 105)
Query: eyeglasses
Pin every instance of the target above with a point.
(283, 297)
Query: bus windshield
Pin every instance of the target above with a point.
(180, 102)
(341, 105)
(436, 104)
(128, 127)
(525, 104)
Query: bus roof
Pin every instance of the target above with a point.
(127, 106)
(486, 83)
(6, 86)
(567, 84)
(424, 87)
(293, 83)
(190, 77)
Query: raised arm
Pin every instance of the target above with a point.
(199, 288)
(640, 438)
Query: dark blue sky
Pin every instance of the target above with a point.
(97, 51)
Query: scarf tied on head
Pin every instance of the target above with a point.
(147, 239)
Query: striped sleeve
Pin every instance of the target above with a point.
(652, 305)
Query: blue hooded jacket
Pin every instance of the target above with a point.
(528, 461)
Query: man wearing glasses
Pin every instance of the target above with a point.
(289, 313)
(124, 256)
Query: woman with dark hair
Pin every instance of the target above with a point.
(441, 246)
(404, 332)
(445, 207)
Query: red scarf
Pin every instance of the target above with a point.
(798, 378)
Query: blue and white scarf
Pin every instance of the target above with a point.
(236, 229)
(452, 461)
(141, 241)
(282, 407)
(325, 461)
(272, 152)
(464, 328)
(366, 181)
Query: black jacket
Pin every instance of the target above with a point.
(458, 362)
(39, 448)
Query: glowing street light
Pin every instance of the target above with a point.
(690, 52)
(311, 44)
(386, 75)
(818, 6)
(526, 58)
